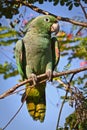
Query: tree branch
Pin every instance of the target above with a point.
(58, 17)
(38, 10)
(83, 9)
(41, 78)
(65, 97)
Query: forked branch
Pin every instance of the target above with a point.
(38, 10)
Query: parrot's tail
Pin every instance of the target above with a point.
(36, 103)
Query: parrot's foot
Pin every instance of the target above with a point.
(34, 78)
(49, 74)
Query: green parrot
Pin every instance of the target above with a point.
(37, 53)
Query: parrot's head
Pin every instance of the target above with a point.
(45, 24)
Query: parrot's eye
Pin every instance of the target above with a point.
(47, 19)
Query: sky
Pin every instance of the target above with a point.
(10, 105)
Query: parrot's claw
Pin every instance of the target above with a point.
(34, 78)
(49, 75)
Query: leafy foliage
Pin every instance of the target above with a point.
(73, 44)
(8, 9)
(7, 36)
(7, 70)
(78, 119)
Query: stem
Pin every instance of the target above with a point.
(61, 110)
(83, 9)
(13, 117)
(68, 85)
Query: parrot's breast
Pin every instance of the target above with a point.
(38, 53)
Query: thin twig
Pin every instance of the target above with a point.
(83, 9)
(62, 83)
(13, 117)
(61, 110)
(58, 17)
(15, 114)
(72, 77)
(40, 78)
(67, 90)
(18, 91)
(80, 29)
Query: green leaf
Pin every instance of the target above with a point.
(8, 70)
(3, 28)
(68, 3)
(8, 42)
(40, 1)
(10, 74)
(56, 2)
(50, 0)
(70, 7)
(76, 4)
(8, 34)
(67, 67)
(62, 2)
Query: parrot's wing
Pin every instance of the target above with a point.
(55, 52)
(20, 57)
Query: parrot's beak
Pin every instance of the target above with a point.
(55, 28)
